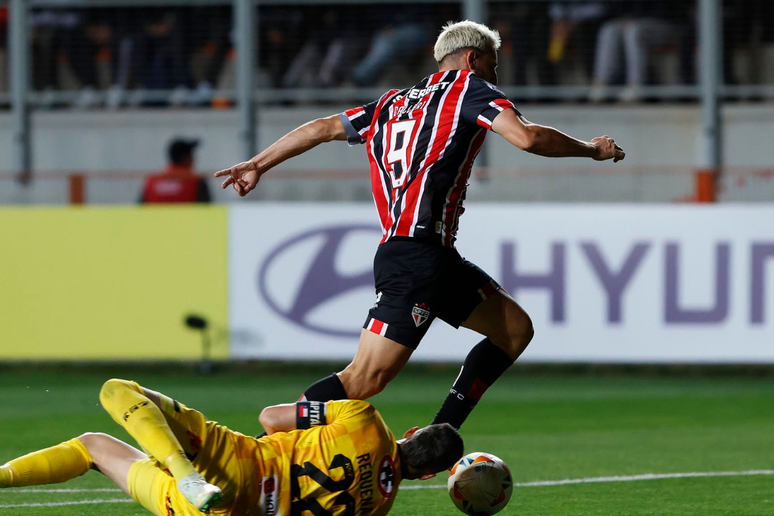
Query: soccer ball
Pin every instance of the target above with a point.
(480, 484)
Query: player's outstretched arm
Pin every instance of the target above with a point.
(291, 416)
(278, 418)
(549, 142)
(245, 176)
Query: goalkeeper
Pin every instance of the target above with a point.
(318, 458)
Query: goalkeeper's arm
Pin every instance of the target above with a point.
(290, 416)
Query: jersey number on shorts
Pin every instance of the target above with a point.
(299, 505)
(400, 140)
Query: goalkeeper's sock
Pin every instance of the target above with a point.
(129, 407)
(483, 365)
(52, 465)
(329, 388)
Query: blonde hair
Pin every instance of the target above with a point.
(465, 34)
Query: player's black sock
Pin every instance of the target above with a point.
(329, 388)
(483, 365)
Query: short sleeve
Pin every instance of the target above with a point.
(483, 102)
(357, 121)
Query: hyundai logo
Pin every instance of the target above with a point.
(321, 281)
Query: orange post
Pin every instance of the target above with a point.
(77, 189)
(706, 185)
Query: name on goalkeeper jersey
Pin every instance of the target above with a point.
(414, 93)
(366, 482)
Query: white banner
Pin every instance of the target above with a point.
(601, 283)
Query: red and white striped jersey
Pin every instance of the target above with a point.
(421, 143)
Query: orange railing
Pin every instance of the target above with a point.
(695, 185)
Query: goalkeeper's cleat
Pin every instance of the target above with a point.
(198, 492)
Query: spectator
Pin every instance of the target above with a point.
(48, 29)
(85, 38)
(625, 44)
(125, 25)
(178, 183)
(333, 44)
(524, 28)
(85, 47)
(409, 31)
(159, 55)
(209, 32)
(746, 29)
(764, 12)
(575, 26)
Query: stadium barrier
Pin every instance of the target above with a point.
(615, 283)
(590, 184)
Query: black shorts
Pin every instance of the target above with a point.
(417, 282)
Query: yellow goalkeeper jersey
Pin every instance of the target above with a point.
(348, 466)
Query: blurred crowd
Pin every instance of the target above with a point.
(119, 56)
(124, 52)
(629, 43)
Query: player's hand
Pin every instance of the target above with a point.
(607, 149)
(243, 176)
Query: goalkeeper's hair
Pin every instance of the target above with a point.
(465, 34)
(434, 447)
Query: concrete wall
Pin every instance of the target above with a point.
(661, 143)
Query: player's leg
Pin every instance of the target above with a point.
(129, 406)
(190, 427)
(503, 322)
(138, 476)
(508, 331)
(214, 450)
(378, 360)
(139, 412)
(52, 465)
(405, 274)
(111, 457)
(71, 459)
(208, 445)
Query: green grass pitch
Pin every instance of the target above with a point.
(546, 427)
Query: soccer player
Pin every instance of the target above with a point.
(318, 458)
(421, 142)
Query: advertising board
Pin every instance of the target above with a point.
(618, 283)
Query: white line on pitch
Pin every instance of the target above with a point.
(538, 483)
(44, 490)
(57, 504)
(632, 478)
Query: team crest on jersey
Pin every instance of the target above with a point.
(420, 313)
(386, 476)
(269, 492)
